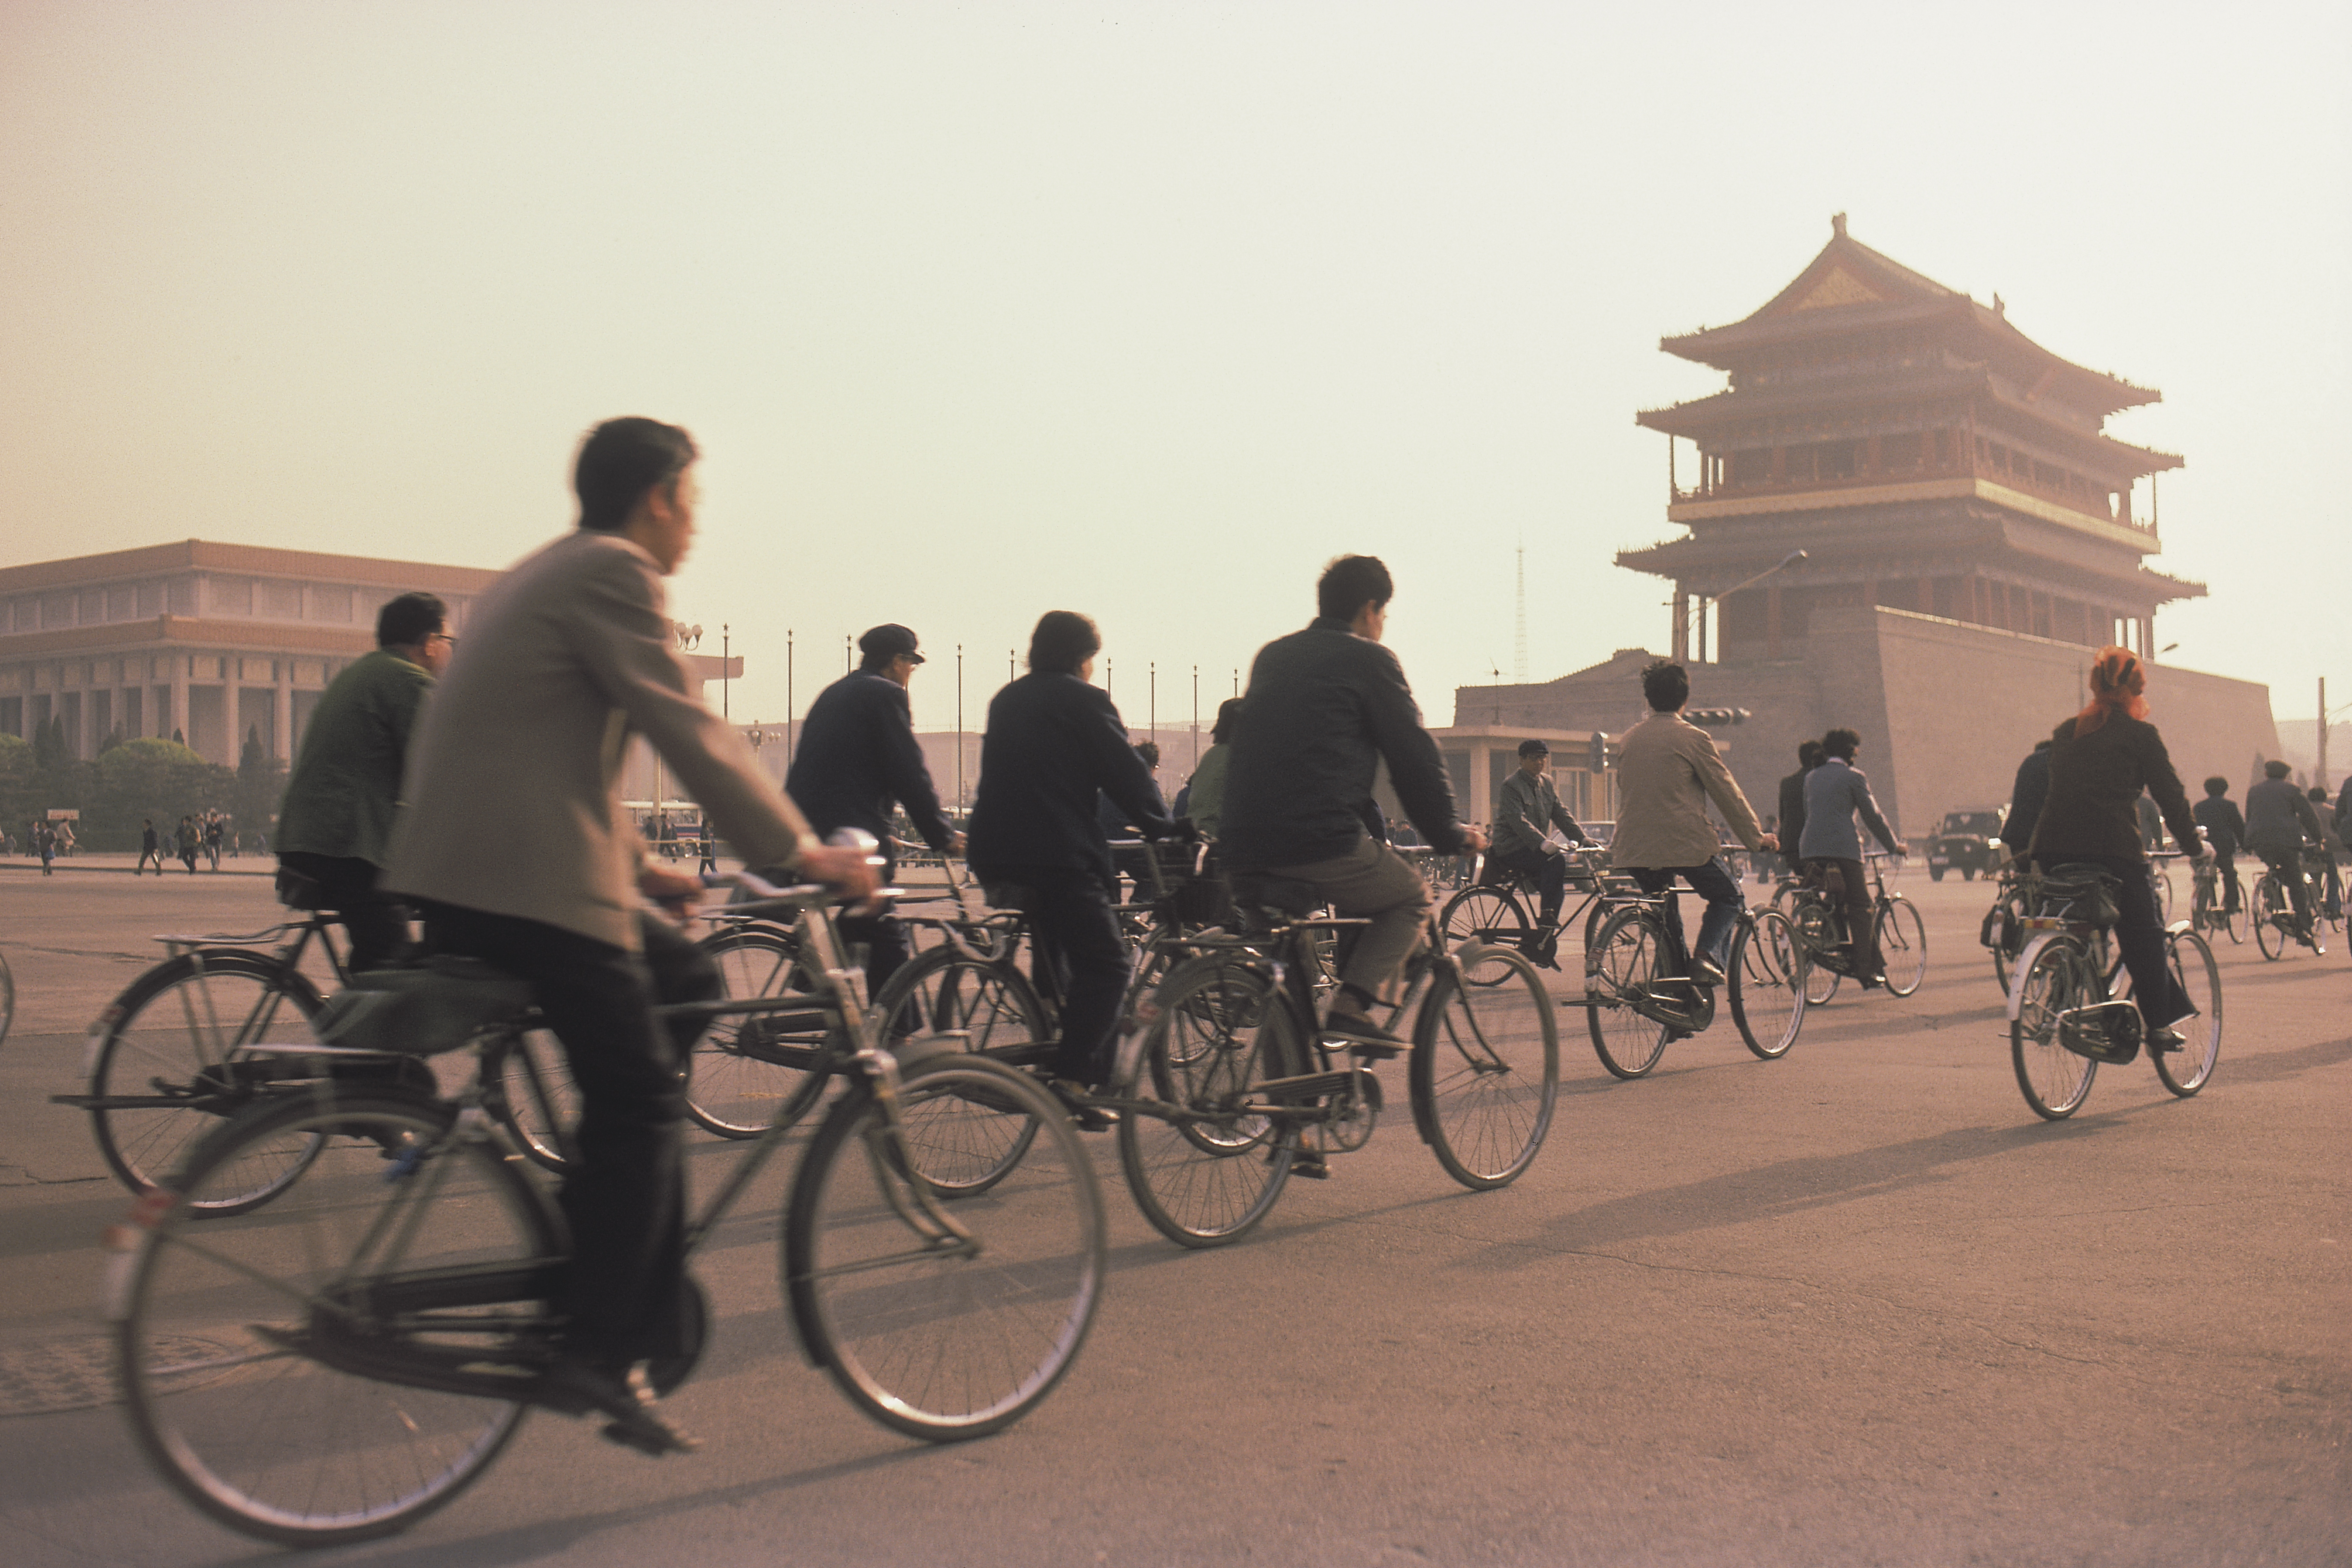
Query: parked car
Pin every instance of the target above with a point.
(1968, 842)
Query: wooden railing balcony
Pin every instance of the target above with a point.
(2093, 505)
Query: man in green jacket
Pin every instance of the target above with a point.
(336, 823)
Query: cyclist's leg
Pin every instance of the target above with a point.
(1070, 918)
(1371, 881)
(2139, 938)
(2288, 869)
(2225, 877)
(1656, 881)
(1714, 883)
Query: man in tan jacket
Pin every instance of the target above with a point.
(1670, 770)
(516, 848)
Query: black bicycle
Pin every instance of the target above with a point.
(1641, 992)
(341, 1363)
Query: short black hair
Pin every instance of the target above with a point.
(1150, 751)
(1229, 713)
(1349, 583)
(1809, 754)
(406, 620)
(2319, 793)
(1666, 686)
(1840, 744)
(1062, 641)
(621, 461)
(2216, 785)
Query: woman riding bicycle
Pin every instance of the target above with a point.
(2100, 762)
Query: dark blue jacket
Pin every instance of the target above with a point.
(1053, 742)
(1326, 708)
(857, 755)
(2026, 798)
(2225, 830)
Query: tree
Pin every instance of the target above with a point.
(261, 780)
(50, 742)
(155, 780)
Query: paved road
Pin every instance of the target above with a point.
(1857, 1306)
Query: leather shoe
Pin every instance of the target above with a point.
(1706, 972)
(580, 1386)
(1361, 1035)
(2166, 1038)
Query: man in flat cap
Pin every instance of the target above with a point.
(856, 758)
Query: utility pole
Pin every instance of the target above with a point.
(1196, 717)
(2321, 779)
(960, 801)
(1520, 635)
(792, 724)
(1151, 722)
(726, 673)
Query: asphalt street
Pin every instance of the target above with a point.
(1855, 1306)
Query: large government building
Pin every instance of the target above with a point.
(1908, 519)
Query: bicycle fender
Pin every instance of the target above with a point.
(2025, 957)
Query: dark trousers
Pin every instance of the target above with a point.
(2287, 866)
(624, 1201)
(1850, 889)
(376, 923)
(1080, 959)
(1710, 882)
(1548, 873)
(2225, 876)
(150, 853)
(883, 936)
(2139, 938)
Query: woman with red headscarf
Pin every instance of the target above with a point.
(2100, 762)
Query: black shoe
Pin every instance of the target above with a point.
(580, 1386)
(1706, 972)
(1362, 1036)
(1077, 1099)
(1309, 1164)
(2165, 1038)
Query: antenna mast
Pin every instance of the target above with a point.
(1519, 636)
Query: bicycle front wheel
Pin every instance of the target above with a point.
(985, 1006)
(748, 1069)
(187, 1045)
(1766, 982)
(2188, 1070)
(1207, 1174)
(2273, 915)
(223, 1327)
(940, 1339)
(2054, 1080)
(2234, 920)
(1485, 1072)
(1490, 914)
(1902, 945)
(1626, 955)
(539, 1103)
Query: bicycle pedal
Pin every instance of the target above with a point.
(1311, 1167)
(1369, 1051)
(652, 1437)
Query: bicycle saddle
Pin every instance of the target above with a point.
(422, 1011)
(1281, 895)
(2074, 891)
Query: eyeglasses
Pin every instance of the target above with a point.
(442, 637)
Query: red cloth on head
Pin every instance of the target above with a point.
(2118, 679)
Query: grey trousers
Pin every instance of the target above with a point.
(1372, 881)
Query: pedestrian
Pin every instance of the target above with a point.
(213, 837)
(709, 861)
(149, 850)
(45, 840)
(191, 841)
(335, 828)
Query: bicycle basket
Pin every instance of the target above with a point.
(422, 1011)
(2085, 895)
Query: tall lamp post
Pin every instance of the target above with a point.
(1699, 626)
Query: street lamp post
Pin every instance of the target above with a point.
(1699, 627)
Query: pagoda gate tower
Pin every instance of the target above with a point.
(1904, 517)
(1924, 453)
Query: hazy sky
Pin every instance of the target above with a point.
(1139, 309)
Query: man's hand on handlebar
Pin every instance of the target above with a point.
(838, 866)
(675, 890)
(1768, 843)
(1474, 839)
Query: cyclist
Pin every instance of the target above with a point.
(1326, 707)
(1053, 743)
(1835, 793)
(1790, 823)
(2225, 834)
(2026, 795)
(2331, 850)
(335, 828)
(857, 756)
(1202, 799)
(2100, 762)
(516, 846)
(1527, 809)
(2279, 820)
(1669, 771)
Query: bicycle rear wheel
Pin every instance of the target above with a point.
(2054, 1080)
(199, 1038)
(1902, 944)
(1626, 955)
(2234, 920)
(1485, 1072)
(541, 1103)
(986, 1007)
(1491, 915)
(943, 1343)
(1812, 922)
(2272, 914)
(749, 1069)
(214, 1320)
(2189, 1069)
(1766, 982)
(1209, 1175)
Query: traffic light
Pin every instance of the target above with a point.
(1716, 717)
(1598, 761)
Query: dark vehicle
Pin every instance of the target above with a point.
(1968, 842)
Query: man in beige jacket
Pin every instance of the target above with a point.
(1669, 771)
(516, 848)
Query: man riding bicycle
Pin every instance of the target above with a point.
(1836, 794)
(517, 848)
(1326, 707)
(1668, 771)
(1527, 809)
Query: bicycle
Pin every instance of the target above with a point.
(2215, 905)
(2002, 933)
(352, 1360)
(1640, 994)
(2276, 923)
(1898, 933)
(1232, 1086)
(2068, 1011)
(220, 1024)
(1496, 910)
